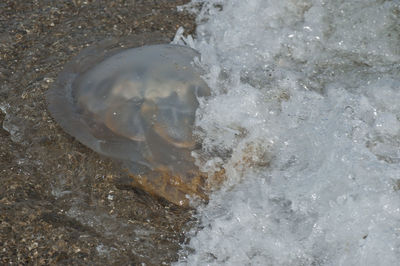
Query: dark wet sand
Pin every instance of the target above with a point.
(60, 203)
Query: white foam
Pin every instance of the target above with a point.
(305, 118)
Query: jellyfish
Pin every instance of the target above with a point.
(136, 105)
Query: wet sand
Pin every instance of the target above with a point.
(61, 203)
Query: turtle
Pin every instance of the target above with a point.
(136, 104)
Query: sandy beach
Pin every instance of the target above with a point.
(61, 203)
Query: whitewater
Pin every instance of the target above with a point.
(305, 119)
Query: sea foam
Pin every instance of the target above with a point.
(305, 119)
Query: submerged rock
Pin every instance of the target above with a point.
(136, 105)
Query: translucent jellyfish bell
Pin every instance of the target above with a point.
(136, 105)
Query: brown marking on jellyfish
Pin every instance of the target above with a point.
(160, 129)
(172, 187)
(178, 189)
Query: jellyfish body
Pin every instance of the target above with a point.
(138, 106)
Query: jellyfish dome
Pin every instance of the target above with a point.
(136, 105)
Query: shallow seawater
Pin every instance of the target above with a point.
(305, 119)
